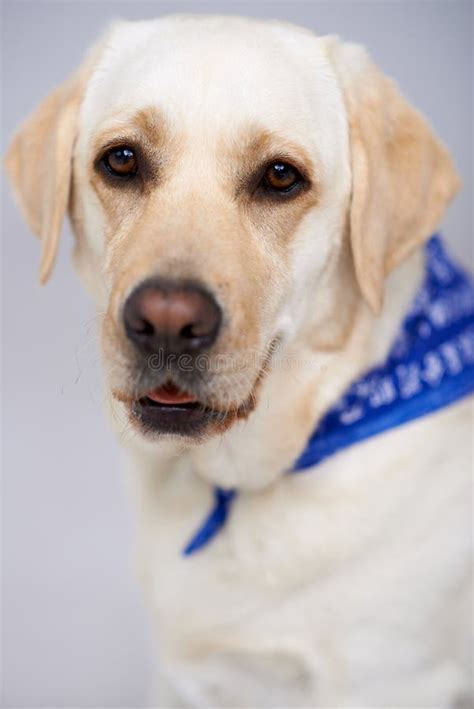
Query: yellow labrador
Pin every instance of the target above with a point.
(249, 203)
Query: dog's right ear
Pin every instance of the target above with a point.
(39, 161)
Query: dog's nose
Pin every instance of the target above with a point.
(173, 316)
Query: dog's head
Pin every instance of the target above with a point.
(220, 175)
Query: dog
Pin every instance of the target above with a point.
(251, 204)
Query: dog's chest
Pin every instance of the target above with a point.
(318, 581)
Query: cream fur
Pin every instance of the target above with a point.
(346, 586)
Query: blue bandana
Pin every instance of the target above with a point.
(430, 365)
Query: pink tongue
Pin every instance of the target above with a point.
(169, 394)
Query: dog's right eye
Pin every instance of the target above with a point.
(121, 161)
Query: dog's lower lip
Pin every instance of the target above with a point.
(173, 411)
(150, 401)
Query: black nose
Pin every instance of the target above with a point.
(172, 316)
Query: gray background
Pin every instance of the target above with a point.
(73, 626)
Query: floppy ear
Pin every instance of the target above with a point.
(402, 175)
(39, 161)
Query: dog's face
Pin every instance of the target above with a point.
(221, 170)
(202, 182)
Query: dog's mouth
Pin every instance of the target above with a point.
(169, 395)
(170, 410)
(173, 410)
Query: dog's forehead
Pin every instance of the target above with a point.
(215, 74)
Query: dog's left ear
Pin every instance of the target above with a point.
(39, 161)
(402, 175)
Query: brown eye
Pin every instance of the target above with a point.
(121, 161)
(281, 177)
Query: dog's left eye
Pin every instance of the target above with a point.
(281, 177)
(121, 161)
